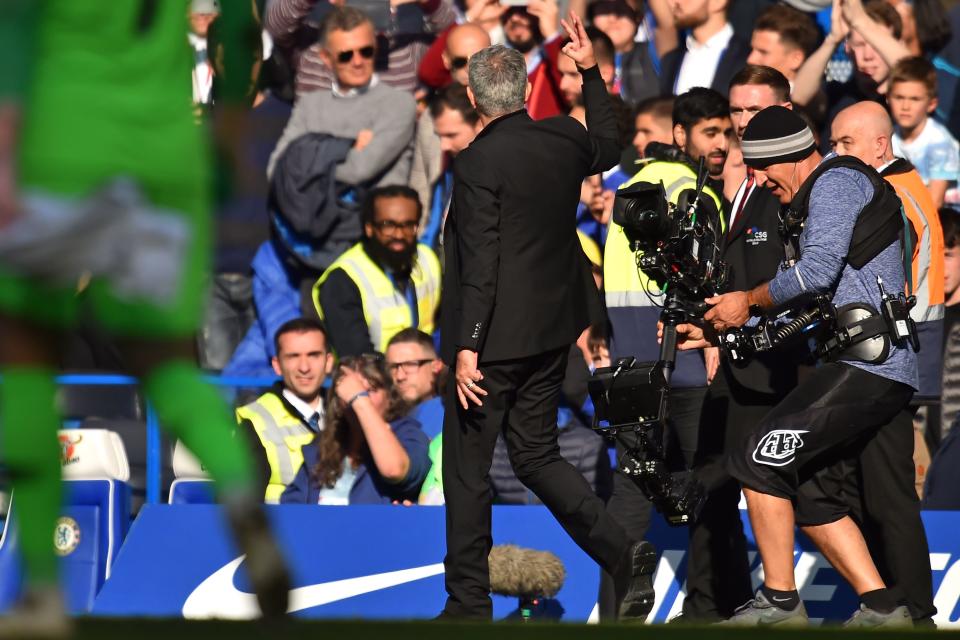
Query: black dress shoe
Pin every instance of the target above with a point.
(634, 582)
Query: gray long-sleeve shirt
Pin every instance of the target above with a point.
(836, 200)
(390, 113)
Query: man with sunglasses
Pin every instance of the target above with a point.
(415, 368)
(379, 118)
(292, 24)
(384, 283)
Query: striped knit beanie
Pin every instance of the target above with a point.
(776, 135)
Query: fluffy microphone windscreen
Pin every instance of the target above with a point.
(519, 572)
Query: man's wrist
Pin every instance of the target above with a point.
(593, 70)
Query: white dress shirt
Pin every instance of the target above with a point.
(700, 62)
(303, 408)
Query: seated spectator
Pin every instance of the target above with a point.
(384, 283)
(454, 123)
(653, 121)
(289, 415)
(380, 118)
(635, 77)
(918, 137)
(871, 33)
(429, 160)
(571, 84)
(782, 38)
(293, 26)
(202, 15)
(533, 30)
(446, 61)
(415, 368)
(710, 54)
(369, 451)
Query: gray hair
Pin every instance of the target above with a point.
(498, 79)
(342, 19)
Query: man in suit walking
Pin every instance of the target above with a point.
(519, 292)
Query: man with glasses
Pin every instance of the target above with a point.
(379, 118)
(384, 283)
(290, 414)
(415, 368)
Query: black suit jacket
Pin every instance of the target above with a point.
(516, 282)
(753, 250)
(734, 58)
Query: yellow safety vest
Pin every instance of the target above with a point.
(384, 308)
(624, 284)
(282, 435)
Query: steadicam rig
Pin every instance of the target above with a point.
(852, 332)
(676, 248)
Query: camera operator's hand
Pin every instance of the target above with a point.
(729, 310)
(579, 49)
(689, 337)
(467, 376)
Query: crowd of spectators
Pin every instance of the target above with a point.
(362, 108)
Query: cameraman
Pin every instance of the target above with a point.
(841, 405)
(701, 129)
(718, 569)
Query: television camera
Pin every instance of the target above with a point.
(676, 248)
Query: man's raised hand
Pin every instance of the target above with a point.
(579, 49)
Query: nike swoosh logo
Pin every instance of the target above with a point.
(217, 597)
(781, 599)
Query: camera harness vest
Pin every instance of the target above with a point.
(859, 331)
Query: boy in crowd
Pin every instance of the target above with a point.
(919, 138)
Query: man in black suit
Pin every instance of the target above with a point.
(718, 573)
(709, 56)
(518, 293)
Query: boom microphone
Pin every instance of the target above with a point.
(525, 573)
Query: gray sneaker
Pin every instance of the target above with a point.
(867, 617)
(761, 612)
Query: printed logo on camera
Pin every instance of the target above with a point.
(778, 447)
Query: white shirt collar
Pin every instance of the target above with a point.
(198, 43)
(355, 91)
(305, 409)
(717, 41)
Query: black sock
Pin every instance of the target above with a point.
(882, 600)
(786, 600)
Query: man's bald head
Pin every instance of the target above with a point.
(462, 42)
(864, 131)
